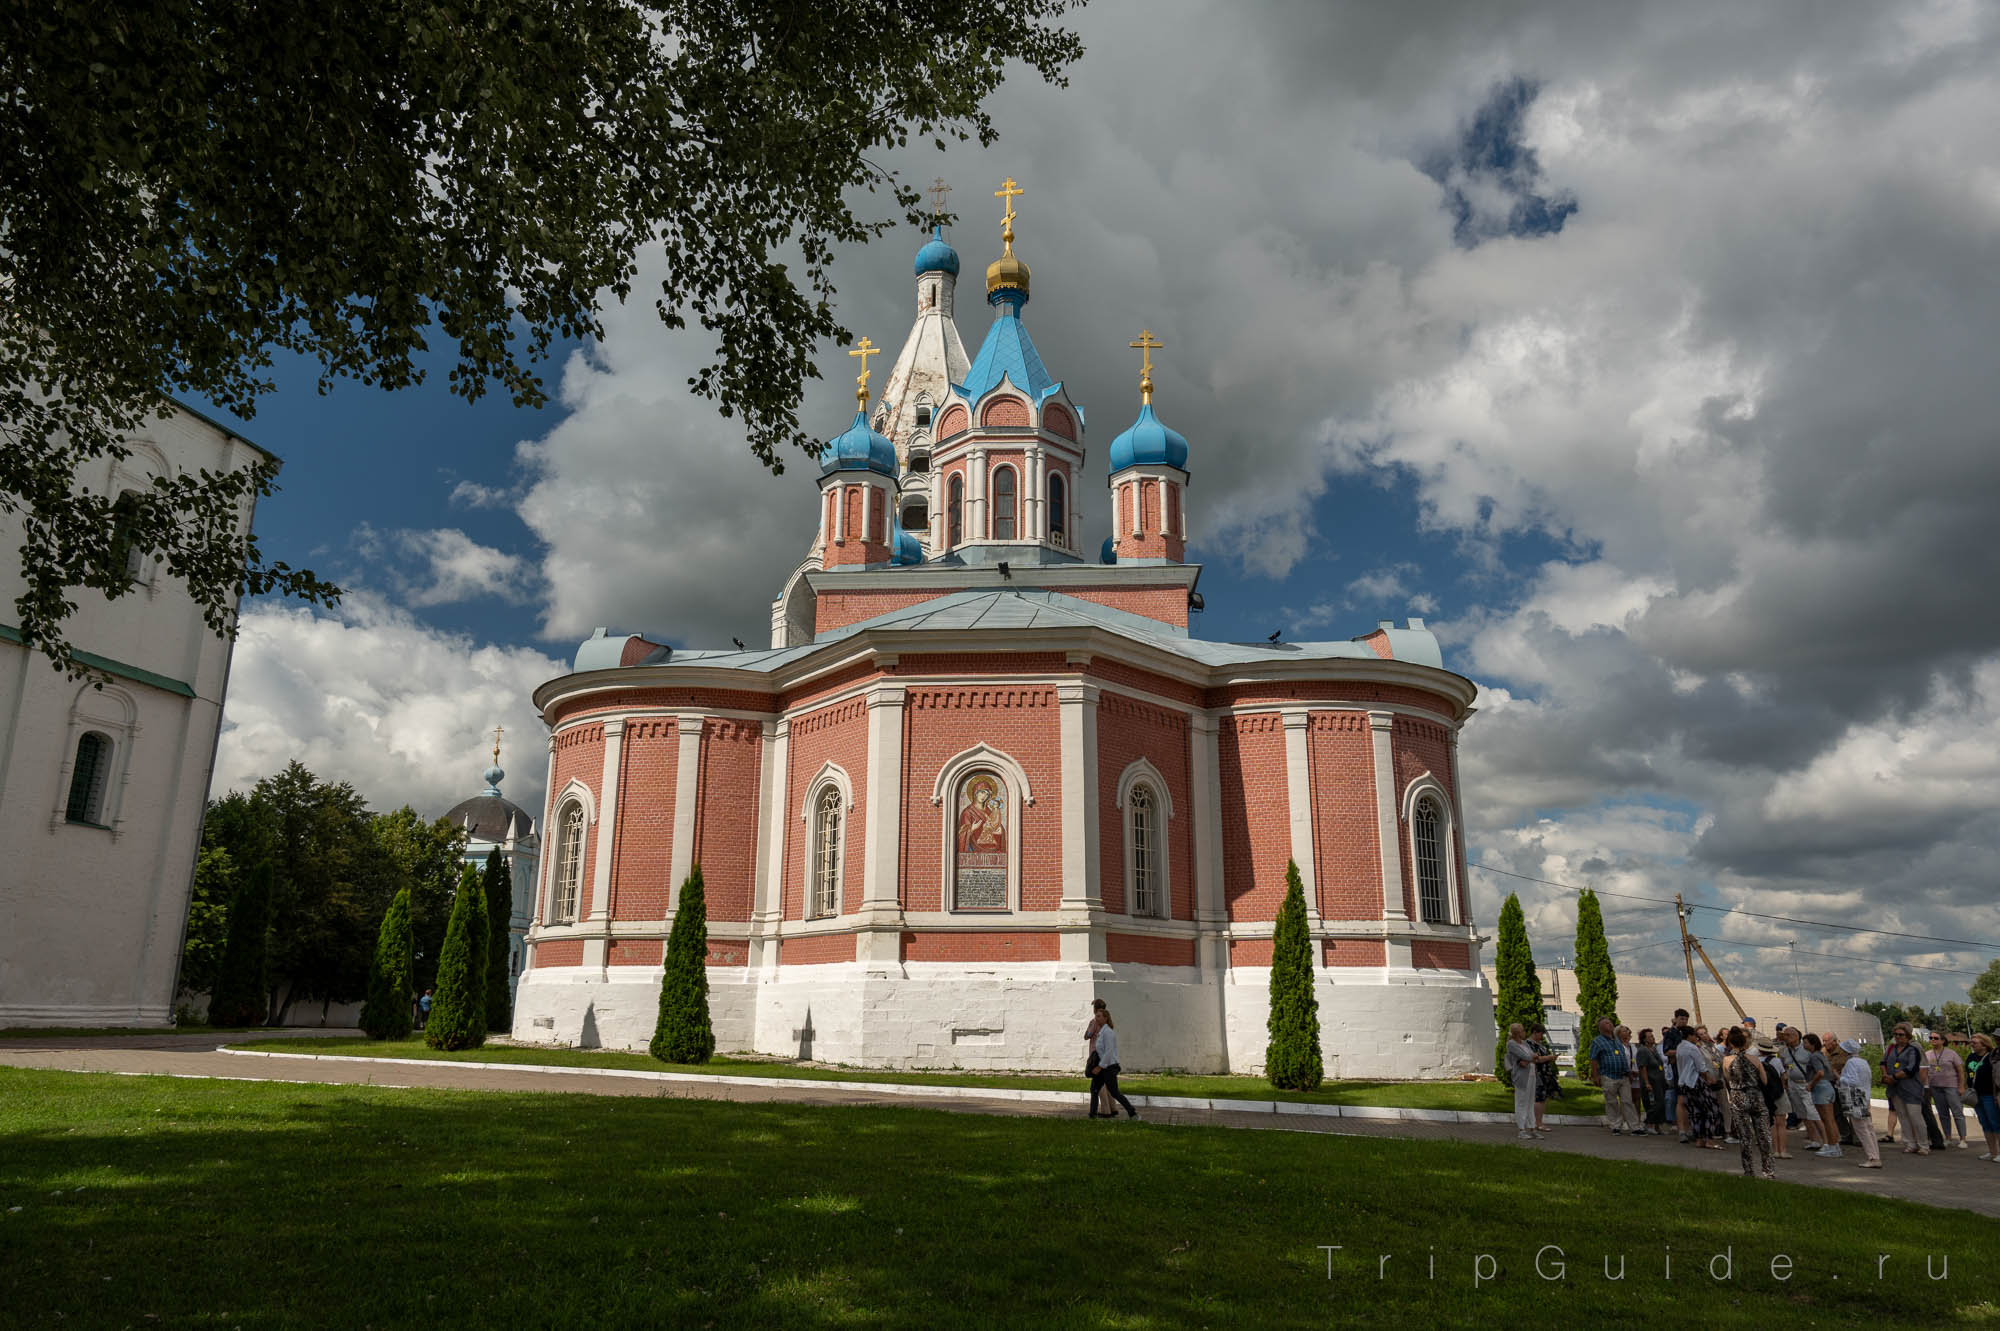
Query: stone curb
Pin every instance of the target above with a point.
(915, 1091)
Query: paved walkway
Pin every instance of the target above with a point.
(1947, 1178)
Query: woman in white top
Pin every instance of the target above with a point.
(1853, 1090)
(1106, 1076)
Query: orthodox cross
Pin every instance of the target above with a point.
(497, 733)
(938, 189)
(1146, 346)
(864, 349)
(1008, 192)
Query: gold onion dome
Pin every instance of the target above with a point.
(1007, 273)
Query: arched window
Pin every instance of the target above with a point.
(916, 517)
(954, 519)
(1147, 898)
(1058, 512)
(923, 416)
(568, 873)
(87, 779)
(1003, 503)
(126, 555)
(1425, 830)
(824, 890)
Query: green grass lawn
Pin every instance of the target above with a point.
(155, 1201)
(1580, 1098)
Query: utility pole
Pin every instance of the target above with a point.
(1687, 955)
(1797, 984)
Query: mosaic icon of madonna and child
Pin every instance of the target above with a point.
(981, 844)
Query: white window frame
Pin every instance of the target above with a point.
(1428, 784)
(944, 797)
(136, 471)
(1141, 772)
(114, 714)
(577, 793)
(830, 776)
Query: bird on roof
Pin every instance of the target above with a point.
(739, 644)
(1275, 636)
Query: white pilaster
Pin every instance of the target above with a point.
(595, 944)
(1379, 726)
(1205, 791)
(1082, 893)
(1458, 851)
(975, 498)
(687, 796)
(773, 784)
(1298, 788)
(880, 943)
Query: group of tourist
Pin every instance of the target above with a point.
(1746, 1089)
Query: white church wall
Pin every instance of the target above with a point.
(1382, 1026)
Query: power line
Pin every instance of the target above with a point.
(1836, 956)
(1755, 915)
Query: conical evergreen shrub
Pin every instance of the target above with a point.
(1517, 992)
(499, 881)
(683, 1033)
(1292, 1059)
(386, 1014)
(241, 997)
(1596, 982)
(458, 1010)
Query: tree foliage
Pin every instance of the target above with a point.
(498, 881)
(1596, 981)
(458, 1010)
(386, 1015)
(1292, 1058)
(1517, 986)
(240, 997)
(190, 186)
(208, 919)
(683, 1033)
(1985, 999)
(427, 854)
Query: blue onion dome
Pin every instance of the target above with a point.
(859, 449)
(494, 776)
(1149, 443)
(909, 550)
(1108, 553)
(936, 256)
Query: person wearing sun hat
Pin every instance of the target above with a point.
(1852, 1089)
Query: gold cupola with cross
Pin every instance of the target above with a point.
(1007, 273)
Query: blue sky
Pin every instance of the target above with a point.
(1628, 349)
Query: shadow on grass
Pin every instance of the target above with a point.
(276, 1204)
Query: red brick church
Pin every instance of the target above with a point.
(978, 779)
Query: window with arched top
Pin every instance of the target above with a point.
(823, 893)
(916, 517)
(923, 416)
(1003, 503)
(1143, 808)
(1058, 511)
(954, 511)
(126, 556)
(1426, 831)
(87, 779)
(567, 877)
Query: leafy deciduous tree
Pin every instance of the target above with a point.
(428, 854)
(240, 997)
(208, 919)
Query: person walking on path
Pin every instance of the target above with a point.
(1651, 1067)
(1106, 1076)
(1611, 1072)
(1819, 1086)
(1944, 1078)
(424, 1010)
(1903, 1073)
(1100, 1105)
(1980, 1069)
(1697, 1083)
(1744, 1077)
(1547, 1085)
(1670, 1043)
(1854, 1087)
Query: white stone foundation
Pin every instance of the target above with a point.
(1374, 1023)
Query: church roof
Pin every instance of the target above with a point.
(1149, 442)
(859, 448)
(936, 256)
(1008, 353)
(490, 817)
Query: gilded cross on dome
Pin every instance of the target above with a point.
(497, 733)
(1008, 191)
(1146, 346)
(938, 189)
(864, 349)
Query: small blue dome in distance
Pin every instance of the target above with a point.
(936, 256)
(909, 550)
(1109, 554)
(1149, 444)
(859, 449)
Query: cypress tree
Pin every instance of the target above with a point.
(1518, 990)
(1596, 982)
(458, 1012)
(683, 1033)
(499, 929)
(1292, 1059)
(386, 1015)
(241, 997)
